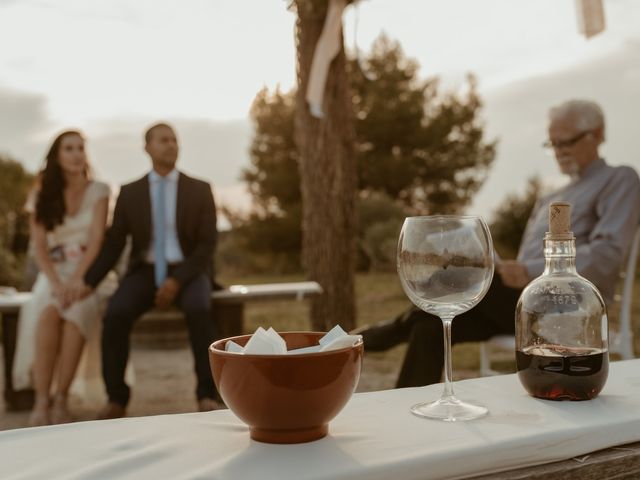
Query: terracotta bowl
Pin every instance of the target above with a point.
(286, 398)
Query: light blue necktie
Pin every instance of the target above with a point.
(159, 219)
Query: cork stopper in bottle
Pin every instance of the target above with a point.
(560, 219)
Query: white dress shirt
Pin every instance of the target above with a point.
(173, 252)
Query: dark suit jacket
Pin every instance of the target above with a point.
(195, 224)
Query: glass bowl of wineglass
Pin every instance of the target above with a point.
(445, 264)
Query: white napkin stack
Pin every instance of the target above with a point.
(268, 342)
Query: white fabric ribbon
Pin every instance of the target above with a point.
(326, 49)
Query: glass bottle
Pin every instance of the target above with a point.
(561, 323)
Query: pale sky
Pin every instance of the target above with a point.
(111, 67)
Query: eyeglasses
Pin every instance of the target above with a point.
(551, 145)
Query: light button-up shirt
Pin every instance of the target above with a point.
(173, 252)
(605, 212)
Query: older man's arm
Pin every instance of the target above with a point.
(618, 211)
(513, 274)
(532, 267)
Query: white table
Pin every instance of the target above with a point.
(374, 437)
(13, 301)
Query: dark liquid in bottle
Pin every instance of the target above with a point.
(553, 372)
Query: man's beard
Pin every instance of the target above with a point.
(569, 167)
(168, 161)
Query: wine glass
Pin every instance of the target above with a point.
(445, 264)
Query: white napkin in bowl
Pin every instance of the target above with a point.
(268, 342)
(265, 342)
(343, 341)
(233, 347)
(332, 334)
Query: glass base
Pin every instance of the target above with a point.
(449, 409)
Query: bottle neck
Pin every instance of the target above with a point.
(559, 254)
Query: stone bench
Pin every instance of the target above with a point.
(228, 311)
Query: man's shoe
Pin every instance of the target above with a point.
(209, 404)
(112, 410)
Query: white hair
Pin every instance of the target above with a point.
(588, 115)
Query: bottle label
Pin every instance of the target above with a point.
(559, 299)
(557, 302)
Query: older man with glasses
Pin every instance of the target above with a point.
(605, 214)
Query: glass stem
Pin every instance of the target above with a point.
(448, 375)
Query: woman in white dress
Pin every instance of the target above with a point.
(67, 227)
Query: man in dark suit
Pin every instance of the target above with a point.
(171, 219)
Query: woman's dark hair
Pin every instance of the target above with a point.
(50, 208)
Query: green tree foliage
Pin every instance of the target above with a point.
(510, 218)
(15, 182)
(417, 147)
(273, 177)
(272, 232)
(379, 222)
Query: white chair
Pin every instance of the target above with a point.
(620, 342)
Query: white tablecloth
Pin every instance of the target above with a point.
(374, 437)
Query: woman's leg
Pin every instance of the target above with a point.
(71, 348)
(47, 345)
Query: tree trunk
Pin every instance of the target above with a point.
(328, 178)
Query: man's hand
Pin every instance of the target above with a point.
(513, 274)
(167, 293)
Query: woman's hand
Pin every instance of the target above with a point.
(57, 290)
(71, 291)
(61, 292)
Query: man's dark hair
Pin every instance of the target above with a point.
(149, 133)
